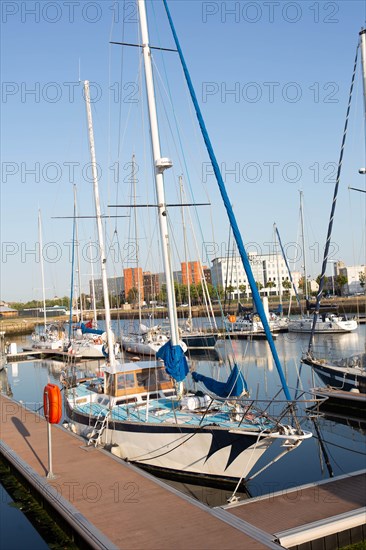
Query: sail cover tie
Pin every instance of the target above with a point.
(235, 385)
(174, 360)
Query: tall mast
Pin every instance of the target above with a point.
(160, 164)
(136, 237)
(185, 251)
(78, 257)
(230, 212)
(279, 278)
(93, 288)
(42, 267)
(303, 246)
(112, 358)
(363, 65)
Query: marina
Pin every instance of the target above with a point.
(171, 394)
(307, 477)
(88, 480)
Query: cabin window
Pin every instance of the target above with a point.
(147, 379)
(163, 376)
(125, 381)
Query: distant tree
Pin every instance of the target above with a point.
(132, 295)
(243, 289)
(194, 294)
(318, 280)
(286, 285)
(340, 281)
(230, 290)
(362, 278)
(162, 297)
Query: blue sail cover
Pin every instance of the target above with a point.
(87, 330)
(233, 387)
(174, 360)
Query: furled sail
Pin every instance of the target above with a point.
(174, 360)
(87, 330)
(235, 385)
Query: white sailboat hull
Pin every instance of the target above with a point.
(207, 452)
(330, 326)
(141, 348)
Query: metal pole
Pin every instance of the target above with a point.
(50, 474)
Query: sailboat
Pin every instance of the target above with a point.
(51, 336)
(84, 338)
(344, 376)
(144, 412)
(327, 322)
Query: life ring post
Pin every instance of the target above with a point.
(52, 408)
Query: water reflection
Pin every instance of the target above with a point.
(343, 433)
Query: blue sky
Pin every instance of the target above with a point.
(273, 82)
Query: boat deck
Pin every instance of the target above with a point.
(163, 411)
(111, 504)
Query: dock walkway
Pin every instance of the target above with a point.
(111, 504)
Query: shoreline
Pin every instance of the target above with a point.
(21, 325)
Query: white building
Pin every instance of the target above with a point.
(353, 274)
(268, 270)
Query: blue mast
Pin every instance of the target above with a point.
(230, 212)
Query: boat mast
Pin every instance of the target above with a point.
(332, 211)
(279, 278)
(42, 268)
(303, 248)
(78, 259)
(93, 287)
(185, 253)
(160, 164)
(112, 358)
(363, 59)
(229, 209)
(136, 237)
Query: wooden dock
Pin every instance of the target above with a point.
(111, 504)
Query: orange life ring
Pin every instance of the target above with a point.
(232, 318)
(52, 403)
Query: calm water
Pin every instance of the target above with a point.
(16, 531)
(344, 439)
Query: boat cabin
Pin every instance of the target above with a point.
(137, 378)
